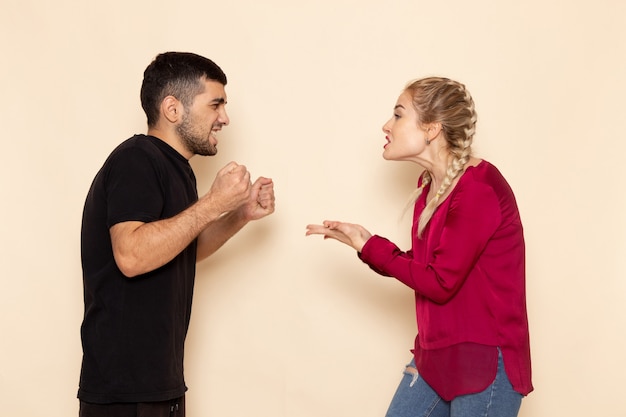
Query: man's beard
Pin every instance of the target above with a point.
(194, 140)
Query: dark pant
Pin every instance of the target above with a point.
(171, 408)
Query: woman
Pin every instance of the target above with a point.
(466, 265)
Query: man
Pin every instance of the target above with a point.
(143, 231)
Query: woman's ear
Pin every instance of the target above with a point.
(433, 129)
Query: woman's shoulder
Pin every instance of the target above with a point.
(484, 171)
(487, 176)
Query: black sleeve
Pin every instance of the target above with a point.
(133, 187)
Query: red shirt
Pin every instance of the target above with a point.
(468, 273)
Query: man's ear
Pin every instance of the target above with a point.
(172, 109)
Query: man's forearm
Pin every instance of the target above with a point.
(219, 232)
(143, 247)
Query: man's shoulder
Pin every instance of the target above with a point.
(138, 142)
(138, 147)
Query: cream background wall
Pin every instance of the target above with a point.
(285, 325)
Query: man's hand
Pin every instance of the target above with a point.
(261, 201)
(258, 204)
(230, 189)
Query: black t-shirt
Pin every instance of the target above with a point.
(134, 329)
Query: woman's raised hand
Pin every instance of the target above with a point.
(353, 235)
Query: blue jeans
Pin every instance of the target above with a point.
(415, 398)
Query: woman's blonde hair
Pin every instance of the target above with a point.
(444, 101)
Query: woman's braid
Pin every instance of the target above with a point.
(444, 101)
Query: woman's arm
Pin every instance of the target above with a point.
(472, 218)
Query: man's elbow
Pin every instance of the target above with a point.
(129, 266)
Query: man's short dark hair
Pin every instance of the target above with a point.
(177, 74)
